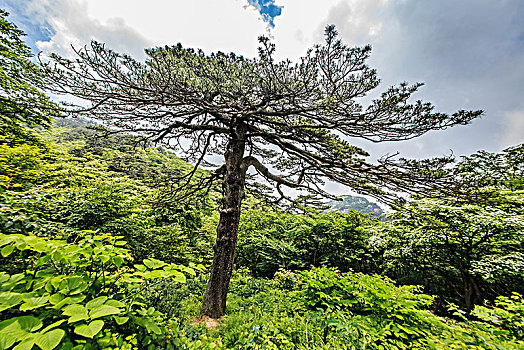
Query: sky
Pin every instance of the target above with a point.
(469, 53)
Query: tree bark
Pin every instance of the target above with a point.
(214, 301)
(472, 295)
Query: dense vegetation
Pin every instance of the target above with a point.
(96, 254)
(272, 126)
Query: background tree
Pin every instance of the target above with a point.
(271, 241)
(466, 247)
(288, 121)
(23, 103)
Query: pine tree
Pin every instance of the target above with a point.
(290, 122)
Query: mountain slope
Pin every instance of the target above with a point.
(357, 203)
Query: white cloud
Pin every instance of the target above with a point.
(130, 25)
(210, 25)
(358, 21)
(72, 26)
(514, 129)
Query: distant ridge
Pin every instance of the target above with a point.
(357, 203)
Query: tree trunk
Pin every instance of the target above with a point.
(214, 301)
(472, 295)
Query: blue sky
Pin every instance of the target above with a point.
(469, 53)
(24, 17)
(268, 9)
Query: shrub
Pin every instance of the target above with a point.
(326, 309)
(80, 295)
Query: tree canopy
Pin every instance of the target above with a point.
(22, 100)
(192, 103)
(472, 245)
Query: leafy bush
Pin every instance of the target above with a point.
(269, 241)
(80, 295)
(507, 314)
(177, 300)
(244, 285)
(20, 166)
(325, 309)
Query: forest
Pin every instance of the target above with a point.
(110, 239)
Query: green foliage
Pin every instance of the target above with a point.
(245, 285)
(58, 192)
(20, 166)
(325, 309)
(380, 312)
(64, 189)
(508, 314)
(269, 241)
(501, 170)
(465, 247)
(79, 294)
(22, 101)
(462, 247)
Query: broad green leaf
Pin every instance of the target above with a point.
(43, 260)
(140, 268)
(153, 263)
(178, 277)
(104, 258)
(16, 329)
(49, 340)
(118, 260)
(56, 298)
(57, 256)
(69, 300)
(77, 317)
(96, 302)
(152, 327)
(103, 310)
(40, 246)
(10, 332)
(189, 271)
(120, 320)
(56, 281)
(4, 277)
(21, 245)
(29, 323)
(9, 299)
(8, 339)
(6, 239)
(89, 331)
(52, 325)
(76, 311)
(7, 250)
(27, 343)
(115, 303)
(73, 285)
(76, 285)
(77, 299)
(62, 302)
(16, 278)
(48, 287)
(34, 303)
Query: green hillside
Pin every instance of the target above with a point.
(79, 191)
(357, 203)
